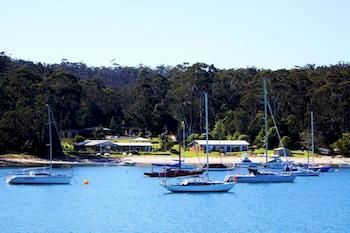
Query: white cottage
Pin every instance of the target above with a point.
(219, 145)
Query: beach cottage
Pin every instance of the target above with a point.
(138, 145)
(95, 146)
(134, 146)
(219, 145)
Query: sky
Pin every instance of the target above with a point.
(269, 34)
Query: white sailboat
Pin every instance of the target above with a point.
(256, 176)
(313, 166)
(202, 184)
(43, 175)
(300, 171)
(305, 171)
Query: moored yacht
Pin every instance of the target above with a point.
(173, 172)
(41, 175)
(256, 176)
(44, 175)
(219, 167)
(321, 168)
(301, 171)
(177, 169)
(202, 184)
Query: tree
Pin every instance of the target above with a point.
(286, 141)
(243, 137)
(273, 138)
(166, 143)
(342, 145)
(99, 132)
(113, 124)
(79, 138)
(219, 131)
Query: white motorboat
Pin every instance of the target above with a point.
(245, 163)
(202, 184)
(44, 175)
(256, 176)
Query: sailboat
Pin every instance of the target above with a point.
(256, 176)
(42, 175)
(178, 169)
(304, 170)
(321, 168)
(201, 184)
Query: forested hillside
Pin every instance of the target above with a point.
(159, 99)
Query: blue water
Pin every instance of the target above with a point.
(120, 199)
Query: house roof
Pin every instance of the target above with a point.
(133, 143)
(221, 142)
(280, 148)
(94, 128)
(139, 139)
(98, 142)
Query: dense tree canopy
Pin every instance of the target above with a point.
(159, 99)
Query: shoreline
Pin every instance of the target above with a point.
(147, 160)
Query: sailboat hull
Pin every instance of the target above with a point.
(321, 168)
(219, 167)
(30, 179)
(221, 187)
(174, 173)
(264, 178)
(246, 164)
(307, 173)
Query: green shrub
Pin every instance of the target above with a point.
(79, 138)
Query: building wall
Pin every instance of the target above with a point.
(134, 148)
(114, 148)
(220, 148)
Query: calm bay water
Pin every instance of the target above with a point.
(120, 199)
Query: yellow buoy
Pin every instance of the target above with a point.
(86, 181)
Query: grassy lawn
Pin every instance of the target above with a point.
(67, 145)
(295, 153)
(19, 156)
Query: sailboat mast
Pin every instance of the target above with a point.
(308, 145)
(312, 136)
(183, 140)
(50, 134)
(266, 124)
(206, 130)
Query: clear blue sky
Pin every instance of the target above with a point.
(227, 33)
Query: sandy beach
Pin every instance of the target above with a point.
(149, 159)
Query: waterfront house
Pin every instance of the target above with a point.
(108, 146)
(219, 145)
(134, 146)
(95, 146)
